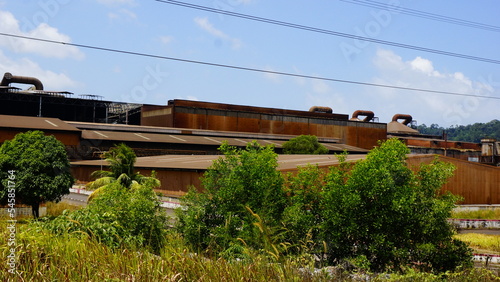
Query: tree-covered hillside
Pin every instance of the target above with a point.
(467, 133)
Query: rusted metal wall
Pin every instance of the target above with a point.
(224, 117)
(476, 183)
(364, 134)
(173, 182)
(70, 138)
(152, 115)
(433, 143)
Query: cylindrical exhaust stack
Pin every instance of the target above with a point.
(8, 78)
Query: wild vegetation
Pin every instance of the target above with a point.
(376, 213)
(253, 223)
(491, 213)
(481, 243)
(467, 133)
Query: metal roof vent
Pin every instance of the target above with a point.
(369, 115)
(8, 78)
(318, 109)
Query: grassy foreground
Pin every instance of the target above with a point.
(493, 213)
(75, 257)
(481, 243)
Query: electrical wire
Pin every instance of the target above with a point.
(329, 32)
(244, 68)
(422, 14)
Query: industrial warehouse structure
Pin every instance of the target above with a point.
(179, 140)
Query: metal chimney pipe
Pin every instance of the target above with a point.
(318, 109)
(8, 78)
(406, 118)
(367, 114)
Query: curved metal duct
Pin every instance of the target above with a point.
(406, 118)
(8, 78)
(367, 114)
(318, 109)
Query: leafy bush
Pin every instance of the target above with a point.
(118, 217)
(304, 144)
(377, 212)
(390, 215)
(242, 180)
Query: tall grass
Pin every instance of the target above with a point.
(56, 209)
(76, 257)
(481, 242)
(493, 213)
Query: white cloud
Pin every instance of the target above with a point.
(272, 76)
(205, 24)
(428, 108)
(122, 14)
(9, 24)
(26, 67)
(116, 2)
(188, 97)
(166, 39)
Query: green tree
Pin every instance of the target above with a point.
(41, 169)
(304, 144)
(241, 190)
(376, 213)
(382, 213)
(121, 159)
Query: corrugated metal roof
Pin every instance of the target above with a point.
(197, 140)
(202, 162)
(170, 138)
(41, 123)
(188, 131)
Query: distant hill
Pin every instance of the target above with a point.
(467, 133)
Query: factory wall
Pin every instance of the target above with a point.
(174, 183)
(223, 117)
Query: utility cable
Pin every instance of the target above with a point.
(243, 68)
(329, 32)
(422, 14)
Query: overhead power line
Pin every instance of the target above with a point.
(329, 32)
(243, 68)
(422, 14)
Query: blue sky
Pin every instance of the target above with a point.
(156, 28)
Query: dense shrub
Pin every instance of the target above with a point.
(376, 213)
(118, 217)
(304, 144)
(392, 216)
(242, 184)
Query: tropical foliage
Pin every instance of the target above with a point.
(124, 212)
(376, 213)
(121, 159)
(220, 220)
(118, 217)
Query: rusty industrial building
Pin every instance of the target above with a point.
(179, 140)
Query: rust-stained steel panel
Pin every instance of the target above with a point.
(364, 135)
(477, 183)
(248, 124)
(250, 109)
(226, 117)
